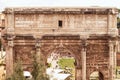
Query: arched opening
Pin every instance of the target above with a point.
(61, 65)
(96, 75)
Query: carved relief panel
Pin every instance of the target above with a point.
(24, 53)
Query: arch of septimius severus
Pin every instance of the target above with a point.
(90, 34)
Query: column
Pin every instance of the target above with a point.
(83, 53)
(111, 51)
(108, 23)
(38, 51)
(115, 58)
(9, 58)
(78, 74)
(9, 47)
(39, 55)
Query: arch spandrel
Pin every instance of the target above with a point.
(24, 53)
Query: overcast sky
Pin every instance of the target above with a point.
(56, 3)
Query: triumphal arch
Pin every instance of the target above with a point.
(89, 33)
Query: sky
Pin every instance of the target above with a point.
(58, 3)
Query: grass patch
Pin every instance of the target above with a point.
(118, 72)
(66, 62)
(68, 65)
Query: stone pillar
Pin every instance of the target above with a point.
(40, 57)
(108, 23)
(111, 60)
(38, 51)
(9, 48)
(78, 74)
(83, 53)
(115, 58)
(9, 58)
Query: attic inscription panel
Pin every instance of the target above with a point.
(51, 20)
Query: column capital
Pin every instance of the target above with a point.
(84, 40)
(10, 43)
(37, 37)
(38, 43)
(84, 44)
(38, 40)
(10, 39)
(111, 43)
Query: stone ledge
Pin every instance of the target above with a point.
(61, 10)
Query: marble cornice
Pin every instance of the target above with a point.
(90, 10)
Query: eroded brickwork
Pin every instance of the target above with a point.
(98, 57)
(24, 52)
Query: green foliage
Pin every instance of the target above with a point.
(117, 72)
(38, 71)
(118, 20)
(119, 10)
(0, 44)
(69, 62)
(68, 65)
(49, 65)
(18, 72)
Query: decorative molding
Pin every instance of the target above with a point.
(81, 10)
(10, 39)
(37, 44)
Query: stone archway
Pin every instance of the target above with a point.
(96, 75)
(92, 54)
(62, 59)
(60, 47)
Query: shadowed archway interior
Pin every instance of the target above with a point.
(96, 75)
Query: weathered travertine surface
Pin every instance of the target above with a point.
(90, 34)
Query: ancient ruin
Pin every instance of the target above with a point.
(89, 33)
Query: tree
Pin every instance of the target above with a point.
(38, 71)
(18, 71)
(118, 20)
